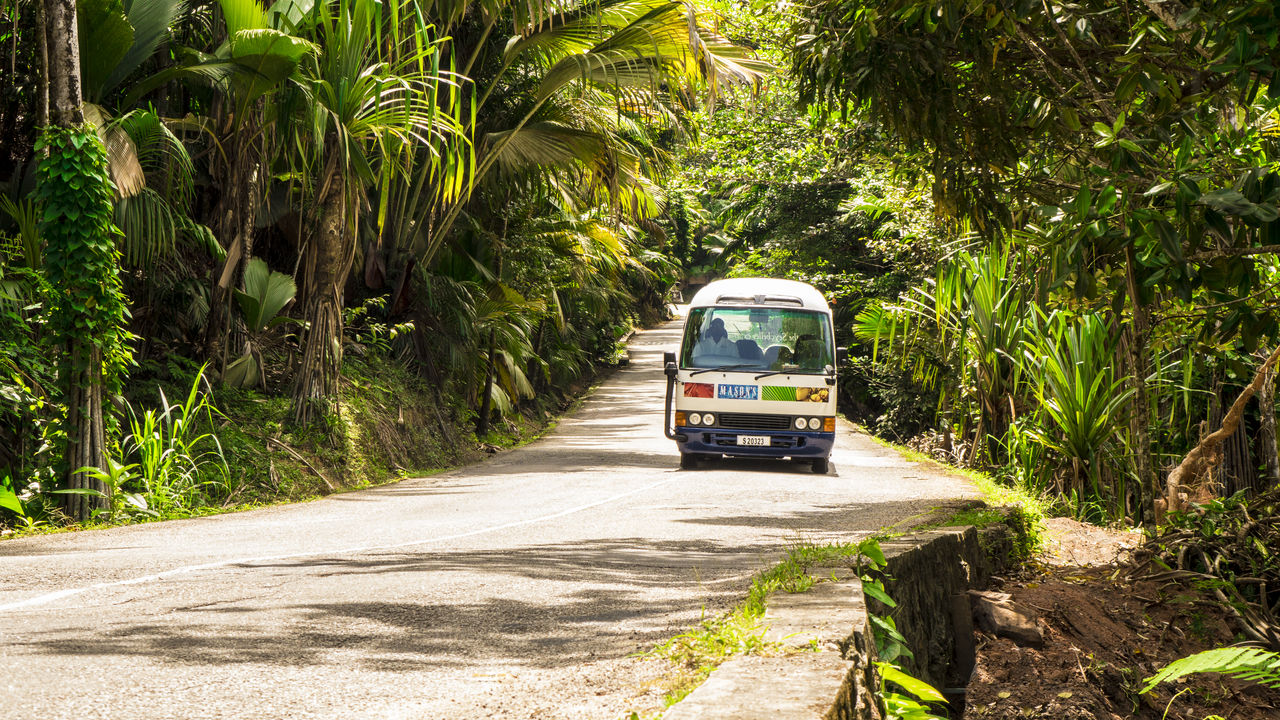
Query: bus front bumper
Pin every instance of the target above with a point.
(713, 441)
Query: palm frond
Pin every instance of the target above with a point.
(161, 155)
(122, 156)
(543, 145)
(243, 15)
(148, 228)
(151, 20)
(1244, 663)
(105, 37)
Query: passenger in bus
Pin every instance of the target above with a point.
(715, 341)
(808, 352)
(777, 357)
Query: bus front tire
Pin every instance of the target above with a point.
(821, 465)
(688, 461)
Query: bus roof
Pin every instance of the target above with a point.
(760, 292)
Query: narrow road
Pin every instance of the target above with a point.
(521, 587)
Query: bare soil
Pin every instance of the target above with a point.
(1106, 632)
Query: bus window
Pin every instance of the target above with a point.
(785, 339)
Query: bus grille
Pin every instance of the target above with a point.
(753, 421)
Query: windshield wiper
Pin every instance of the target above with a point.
(722, 367)
(771, 372)
(828, 371)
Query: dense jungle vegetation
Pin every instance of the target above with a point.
(248, 246)
(266, 243)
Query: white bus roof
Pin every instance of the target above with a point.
(757, 292)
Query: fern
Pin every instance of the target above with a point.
(1244, 663)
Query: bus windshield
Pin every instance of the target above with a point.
(747, 339)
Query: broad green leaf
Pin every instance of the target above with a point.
(918, 688)
(9, 501)
(243, 15)
(105, 38)
(876, 591)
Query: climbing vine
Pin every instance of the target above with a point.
(87, 312)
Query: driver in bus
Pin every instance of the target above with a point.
(715, 341)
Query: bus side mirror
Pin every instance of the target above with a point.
(842, 355)
(669, 364)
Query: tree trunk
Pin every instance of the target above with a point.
(1267, 431)
(317, 378)
(1139, 420)
(82, 387)
(86, 437)
(486, 400)
(536, 379)
(62, 45)
(1207, 454)
(236, 215)
(42, 111)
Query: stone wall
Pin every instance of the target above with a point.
(930, 574)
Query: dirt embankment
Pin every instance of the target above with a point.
(1105, 633)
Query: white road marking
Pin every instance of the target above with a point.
(69, 592)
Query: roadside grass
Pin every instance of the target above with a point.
(697, 652)
(390, 425)
(1023, 511)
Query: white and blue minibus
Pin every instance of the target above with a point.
(755, 374)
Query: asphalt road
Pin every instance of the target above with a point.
(521, 587)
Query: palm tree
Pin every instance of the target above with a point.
(629, 59)
(258, 57)
(87, 314)
(373, 110)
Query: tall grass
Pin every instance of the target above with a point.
(969, 321)
(179, 459)
(1081, 403)
(1033, 394)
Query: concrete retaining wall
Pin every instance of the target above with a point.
(830, 672)
(929, 574)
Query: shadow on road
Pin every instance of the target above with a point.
(607, 599)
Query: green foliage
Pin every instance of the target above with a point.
(520, 160)
(26, 217)
(88, 309)
(1082, 402)
(910, 706)
(120, 502)
(75, 195)
(265, 294)
(178, 460)
(1126, 159)
(891, 645)
(1244, 663)
(367, 326)
(105, 36)
(961, 332)
(26, 373)
(9, 498)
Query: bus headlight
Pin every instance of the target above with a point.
(815, 423)
(708, 419)
(801, 423)
(695, 419)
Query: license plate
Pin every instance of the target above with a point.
(754, 440)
